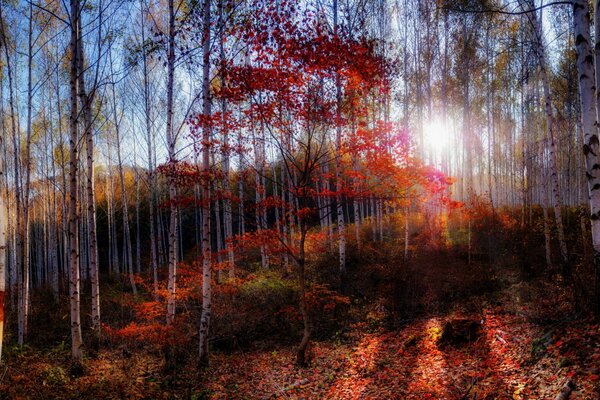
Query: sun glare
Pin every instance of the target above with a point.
(437, 136)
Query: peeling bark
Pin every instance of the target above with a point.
(589, 117)
(206, 245)
(74, 279)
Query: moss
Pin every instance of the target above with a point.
(268, 288)
(56, 376)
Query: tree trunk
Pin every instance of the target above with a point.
(138, 240)
(54, 226)
(3, 228)
(172, 279)
(206, 243)
(92, 240)
(589, 117)
(301, 356)
(227, 215)
(128, 248)
(338, 164)
(540, 52)
(260, 188)
(241, 177)
(74, 280)
(16, 152)
(547, 244)
(218, 223)
(113, 248)
(25, 252)
(406, 216)
(150, 175)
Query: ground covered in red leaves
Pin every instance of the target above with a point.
(512, 359)
(519, 353)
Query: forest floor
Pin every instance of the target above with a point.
(519, 354)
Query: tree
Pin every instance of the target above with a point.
(338, 164)
(87, 100)
(288, 88)
(21, 309)
(171, 143)
(589, 117)
(74, 278)
(3, 229)
(550, 128)
(206, 181)
(227, 202)
(150, 146)
(126, 230)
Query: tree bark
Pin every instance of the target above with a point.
(172, 279)
(556, 194)
(3, 228)
(227, 214)
(338, 163)
(301, 356)
(206, 243)
(92, 239)
(25, 251)
(150, 175)
(589, 117)
(127, 247)
(74, 279)
(18, 198)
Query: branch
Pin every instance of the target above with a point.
(49, 12)
(503, 10)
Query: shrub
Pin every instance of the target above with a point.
(55, 376)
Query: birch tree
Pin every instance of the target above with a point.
(341, 223)
(17, 180)
(150, 146)
(171, 143)
(589, 118)
(206, 236)
(73, 230)
(126, 229)
(86, 100)
(3, 244)
(540, 53)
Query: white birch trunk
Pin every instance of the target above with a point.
(338, 163)
(3, 245)
(589, 117)
(150, 176)
(545, 201)
(241, 209)
(74, 279)
(260, 192)
(127, 247)
(26, 206)
(407, 215)
(556, 194)
(17, 259)
(92, 242)
(172, 279)
(206, 251)
(227, 215)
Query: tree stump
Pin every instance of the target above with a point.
(459, 331)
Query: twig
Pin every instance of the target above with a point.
(500, 338)
(566, 390)
(285, 389)
(473, 382)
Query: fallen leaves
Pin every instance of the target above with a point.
(406, 364)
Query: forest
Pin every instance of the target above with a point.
(299, 199)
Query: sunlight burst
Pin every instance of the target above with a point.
(437, 136)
